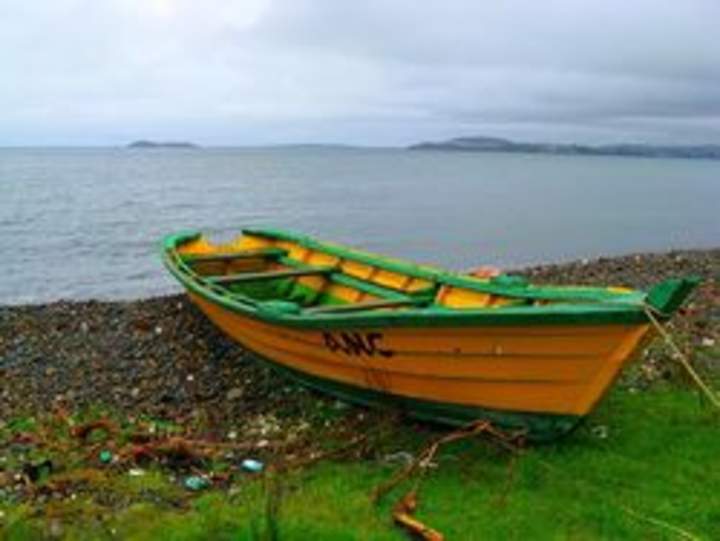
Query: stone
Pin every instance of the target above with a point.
(235, 393)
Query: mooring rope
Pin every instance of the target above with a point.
(681, 357)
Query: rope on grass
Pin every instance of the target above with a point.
(403, 510)
(592, 487)
(680, 356)
(661, 524)
(424, 458)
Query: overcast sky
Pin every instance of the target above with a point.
(385, 72)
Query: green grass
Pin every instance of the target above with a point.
(656, 472)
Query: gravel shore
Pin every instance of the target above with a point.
(161, 357)
(158, 357)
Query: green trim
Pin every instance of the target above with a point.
(263, 253)
(362, 305)
(539, 427)
(668, 296)
(508, 286)
(419, 317)
(367, 287)
(350, 281)
(270, 275)
(604, 307)
(394, 265)
(171, 242)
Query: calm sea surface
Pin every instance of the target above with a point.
(85, 223)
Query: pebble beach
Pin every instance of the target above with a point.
(161, 357)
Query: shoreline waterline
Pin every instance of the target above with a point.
(86, 224)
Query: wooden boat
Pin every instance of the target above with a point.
(443, 346)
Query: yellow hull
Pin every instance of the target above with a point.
(553, 369)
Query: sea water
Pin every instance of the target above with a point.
(86, 223)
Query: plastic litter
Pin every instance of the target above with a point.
(105, 456)
(196, 482)
(251, 465)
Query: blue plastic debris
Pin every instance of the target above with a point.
(252, 465)
(196, 482)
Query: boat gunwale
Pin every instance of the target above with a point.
(444, 277)
(580, 313)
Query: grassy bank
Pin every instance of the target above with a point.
(645, 466)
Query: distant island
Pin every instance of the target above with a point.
(494, 144)
(161, 144)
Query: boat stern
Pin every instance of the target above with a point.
(667, 297)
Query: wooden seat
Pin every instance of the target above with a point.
(270, 275)
(383, 292)
(367, 305)
(267, 253)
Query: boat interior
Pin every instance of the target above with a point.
(321, 278)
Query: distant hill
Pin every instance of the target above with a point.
(161, 144)
(494, 144)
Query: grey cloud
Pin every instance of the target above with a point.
(377, 72)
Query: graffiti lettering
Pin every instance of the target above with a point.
(374, 339)
(354, 343)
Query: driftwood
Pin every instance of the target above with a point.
(403, 510)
